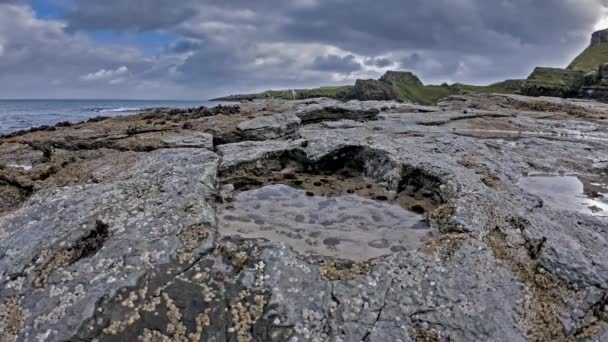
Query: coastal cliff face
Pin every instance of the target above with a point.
(554, 82)
(401, 77)
(583, 78)
(367, 90)
(388, 87)
(599, 37)
(483, 218)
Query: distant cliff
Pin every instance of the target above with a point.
(594, 55)
(585, 77)
(393, 85)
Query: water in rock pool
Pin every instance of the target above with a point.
(569, 193)
(348, 226)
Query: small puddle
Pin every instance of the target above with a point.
(342, 216)
(569, 193)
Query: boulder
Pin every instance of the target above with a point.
(269, 127)
(353, 110)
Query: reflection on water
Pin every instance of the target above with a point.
(348, 227)
(567, 192)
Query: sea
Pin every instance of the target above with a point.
(18, 115)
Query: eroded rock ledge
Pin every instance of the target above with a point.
(111, 230)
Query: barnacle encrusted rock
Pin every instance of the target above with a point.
(109, 230)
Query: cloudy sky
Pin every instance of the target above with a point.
(197, 49)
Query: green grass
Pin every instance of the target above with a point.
(552, 77)
(553, 82)
(591, 58)
(326, 91)
(331, 92)
(505, 87)
(424, 94)
(406, 90)
(431, 94)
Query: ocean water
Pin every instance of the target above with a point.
(17, 115)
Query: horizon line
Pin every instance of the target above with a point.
(100, 99)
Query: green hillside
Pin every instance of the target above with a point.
(430, 94)
(287, 94)
(394, 85)
(553, 82)
(591, 58)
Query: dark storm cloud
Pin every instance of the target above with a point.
(346, 64)
(137, 15)
(410, 61)
(361, 25)
(380, 62)
(471, 27)
(461, 25)
(243, 43)
(185, 45)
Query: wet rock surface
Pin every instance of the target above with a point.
(328, 210)
(134, 228)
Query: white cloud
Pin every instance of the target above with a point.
(243, 46)
(41, 58)
(603, 22)
(1, 50)
(107, 75)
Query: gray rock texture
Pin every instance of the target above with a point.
(373, 90)
(352, 110)
(599, 37)
(270, 127)
(109, 230)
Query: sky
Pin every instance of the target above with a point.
(199, 49)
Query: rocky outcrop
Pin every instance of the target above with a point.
(401, 77)
(386, 88)
(286, 124)
(352, 110)
(366, 90)
(599, 37)
(596, 84)
(582, 78)
(554, 82)
(594, 55)
(269, 127)
(108, 241)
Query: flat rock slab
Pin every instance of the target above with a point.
(245, 152)
(269, 127)
(67, 249)
(400, 298)
(353, 110)
(113, 235)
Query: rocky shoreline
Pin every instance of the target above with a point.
(115, 230)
